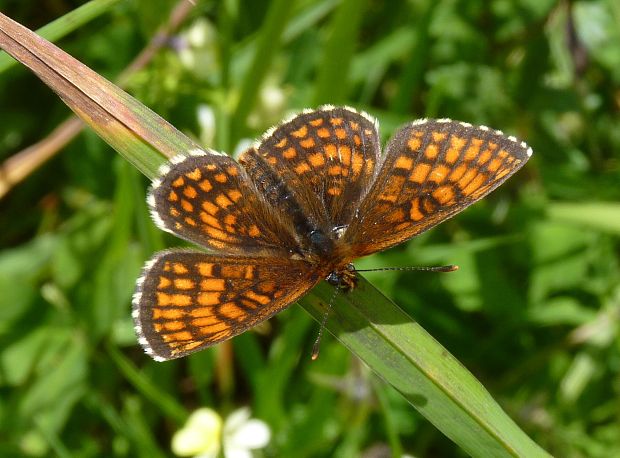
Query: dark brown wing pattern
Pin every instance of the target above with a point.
(188, 300)
(432, 170)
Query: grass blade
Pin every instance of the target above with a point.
(403, 354)
(270, 35)
(333, 81)
(136, 132)
(603, 216)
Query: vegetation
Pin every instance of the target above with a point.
(533, 311)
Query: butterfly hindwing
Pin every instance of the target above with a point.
(189, 300)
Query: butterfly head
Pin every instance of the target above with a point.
(344, 278)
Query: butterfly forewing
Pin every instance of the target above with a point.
(432, 170)
(188, 300)
(208, 199)
(325, 159)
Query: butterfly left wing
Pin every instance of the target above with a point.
(432, 169)
(208, 199)
(189, 300)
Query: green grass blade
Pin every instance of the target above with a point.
(132, 129)
(403, 354)
(65, 25)
(333, 81)
(411, 77)
(603, 216)
(147, 388)
(308, 18)
(267, 45)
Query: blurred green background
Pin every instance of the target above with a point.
(533, 312)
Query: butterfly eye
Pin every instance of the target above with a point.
(333, 279)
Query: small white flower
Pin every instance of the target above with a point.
(200, 33)
(242, 434)
(201, 435)
(205, 434)
(273, 98)
(241, 146)
(199, 53)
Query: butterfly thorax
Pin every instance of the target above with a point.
(333, 256)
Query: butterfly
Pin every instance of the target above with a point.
(298, 207)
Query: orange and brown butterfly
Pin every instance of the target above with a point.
(300, 205)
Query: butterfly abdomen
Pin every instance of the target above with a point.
(278, 195)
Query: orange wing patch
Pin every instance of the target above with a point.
(187, 300)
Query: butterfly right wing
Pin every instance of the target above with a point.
(189, 300)
(432, 170)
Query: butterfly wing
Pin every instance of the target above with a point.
(208, 199)
(317, 166)
(432, 169)
(188, 300)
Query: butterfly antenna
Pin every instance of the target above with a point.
(317, 343)
(449, 268)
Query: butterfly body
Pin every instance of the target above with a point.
(311, 196)
(319, 246)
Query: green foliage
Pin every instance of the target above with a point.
(533, 312)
